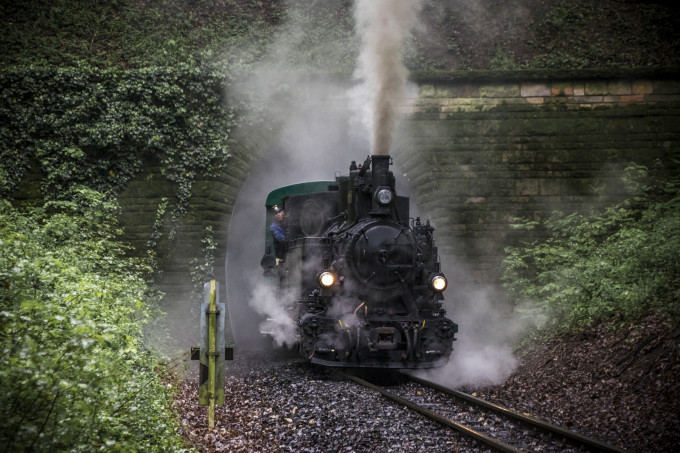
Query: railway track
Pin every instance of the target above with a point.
(497, 427)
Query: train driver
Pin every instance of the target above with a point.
(279, 234)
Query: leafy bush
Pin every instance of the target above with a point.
(99, 127)
(129, 33)
(623, 262)
(132, 34)
(580, 34)
(74, 370)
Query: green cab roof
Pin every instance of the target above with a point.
(277, 195)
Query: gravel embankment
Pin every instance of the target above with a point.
(619, 386)
(276, 404)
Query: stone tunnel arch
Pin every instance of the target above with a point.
(475, 152)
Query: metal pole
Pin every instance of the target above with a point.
(212, 327)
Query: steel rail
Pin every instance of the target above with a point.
(585, 440)
(500, 446)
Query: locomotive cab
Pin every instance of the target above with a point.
(301, 218)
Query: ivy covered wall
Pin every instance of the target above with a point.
(158, 139)
(481, 150)
(478, 149)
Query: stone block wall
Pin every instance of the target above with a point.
(179, 253)
(478, 153)
(140, 202)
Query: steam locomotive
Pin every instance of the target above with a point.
(361, 278)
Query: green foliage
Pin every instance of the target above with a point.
(621, 263)
(204, 269)
(559, 58)
(129, 33)
(74, 370)
(132, 34)
(501, 61)
(580, 34)
(140, 33)
(93, 127)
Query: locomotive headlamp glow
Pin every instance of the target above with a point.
(326, 279)
(438, 283)
(384, 196)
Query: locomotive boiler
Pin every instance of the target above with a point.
(361, 279)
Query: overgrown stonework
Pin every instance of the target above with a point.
(156, 138)
(478, 149)
(480, 152)
(177, 244)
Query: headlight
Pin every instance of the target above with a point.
(438, 283)
(326, 279)
(384, 196)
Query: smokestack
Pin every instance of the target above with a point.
(380, 181)
(381, 170)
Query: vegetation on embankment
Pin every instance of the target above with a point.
(74, 372)
(456, 34)
(619, 264)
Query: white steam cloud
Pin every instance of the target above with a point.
(279, 322)
(488, 327)
(383, 26)
(482, 353)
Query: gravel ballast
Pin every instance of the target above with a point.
(620, 386)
